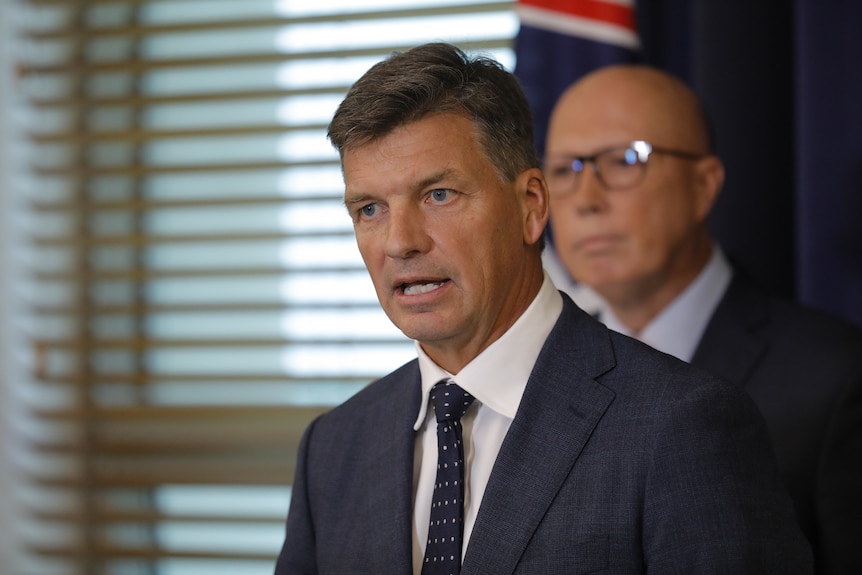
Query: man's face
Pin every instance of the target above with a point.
(630, 242)
(442, 237)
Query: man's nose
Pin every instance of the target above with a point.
(406, 235)
(590, 194)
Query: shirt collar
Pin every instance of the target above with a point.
(497, 376)
(677, 329)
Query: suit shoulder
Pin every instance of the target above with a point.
(581, 344)
(397, 386)
(645, 374)
(777, 318)
(815, 324)
(635, 355)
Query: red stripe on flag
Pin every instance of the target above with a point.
(623, 16)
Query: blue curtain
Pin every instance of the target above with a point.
(783, 85)
(828, 155)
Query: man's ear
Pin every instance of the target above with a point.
(534, 193)
(709, 173)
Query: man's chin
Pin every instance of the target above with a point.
(423, 327)
(605, 281)
(599, 277)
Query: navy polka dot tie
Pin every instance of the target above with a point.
(443, 550)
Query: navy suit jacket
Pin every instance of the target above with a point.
(804, 371)
(620, 459)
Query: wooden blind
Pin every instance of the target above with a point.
(189, 294)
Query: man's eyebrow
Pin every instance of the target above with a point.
(355, 199)
(434, 178)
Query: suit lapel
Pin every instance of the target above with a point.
(729, 346)
(391, 539)
(561, 406)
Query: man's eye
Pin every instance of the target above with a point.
(368, 210)
(619, 163)
(559, 170)
(622, 158)
(564, 169)
(440, 195)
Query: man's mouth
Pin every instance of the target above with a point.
(597, 243)
(418, 288)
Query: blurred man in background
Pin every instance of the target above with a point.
(632, 177)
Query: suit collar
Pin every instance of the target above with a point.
(730, 346)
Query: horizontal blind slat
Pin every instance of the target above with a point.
(144, 308)
(155, 274)
(85, 137)
(113, 552)
(90, 240)
(154, 343)
(113, 516)
(142, 378)
(83, 170)
(83, 68)
(154, 99)
(154, 473)
(83, 33)
(145, 205)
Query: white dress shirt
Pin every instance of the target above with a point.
(497, 378)
(677, 329)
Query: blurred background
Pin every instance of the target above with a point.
(180, 291)
(181, 288)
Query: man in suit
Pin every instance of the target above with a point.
(584, 451)
(632, 178)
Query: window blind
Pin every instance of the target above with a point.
(188, 292)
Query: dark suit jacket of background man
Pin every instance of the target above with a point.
(611, 444)
(804, 371)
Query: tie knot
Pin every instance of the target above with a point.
(450, 401)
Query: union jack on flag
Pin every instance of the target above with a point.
(561, 40)
(609, 21)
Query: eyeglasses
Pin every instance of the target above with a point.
(616, 168)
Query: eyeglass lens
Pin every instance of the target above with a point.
(616, 168)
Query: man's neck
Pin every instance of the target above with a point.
(679, 326)
(636, 308)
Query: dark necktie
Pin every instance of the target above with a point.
(443, 550)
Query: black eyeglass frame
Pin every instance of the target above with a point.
(641, 151)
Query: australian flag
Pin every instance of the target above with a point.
(559, 41)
